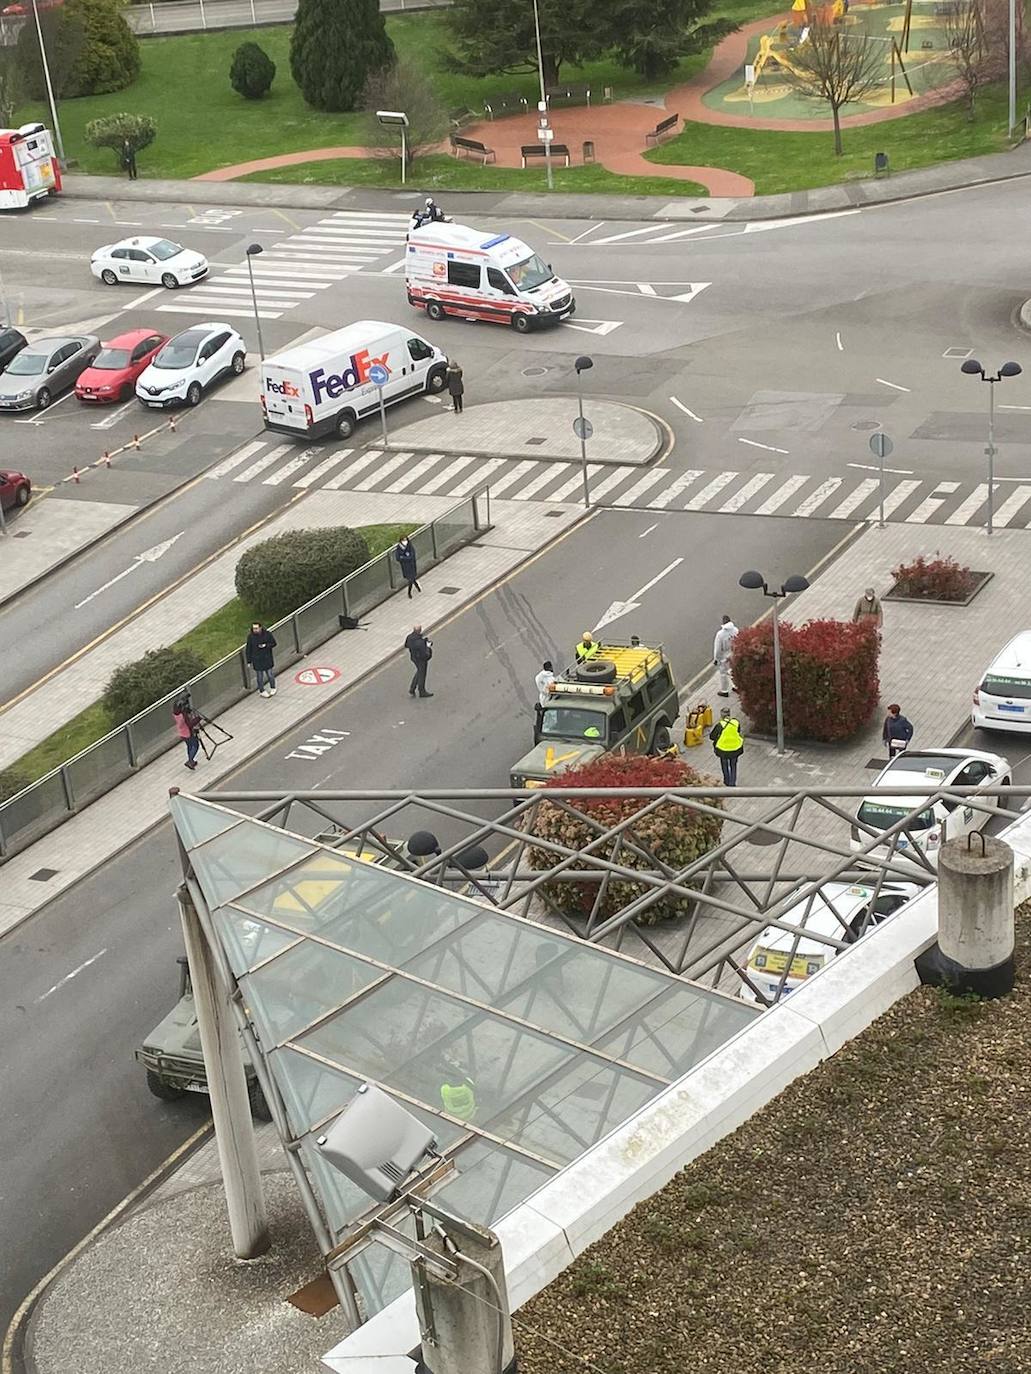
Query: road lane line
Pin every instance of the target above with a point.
(353, 469)
(932, 503)
(865, 489)
(746, 493)
(576, 481)
(961, 515)
(628, 497)
(663, 499)
(288, 469)
(481, 475)
(783, 493)
(702, 498)
(680, 406)
(327, 465)
(446, 474)
(235, 459)
(552, 472)
(69, 976)
(265, 461)
(816, 498)
(754, 443)
(898, 495)
(894, 385)
(510, 478)
(369, 481)
(1011, 506)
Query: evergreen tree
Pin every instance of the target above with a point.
(651, 36)
(497, 36)
(90, 48)
(335, 47)
(252, 71)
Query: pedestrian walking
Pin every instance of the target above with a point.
(721, 650)
(129, 159)
(586, 649)
(420, 651)
(897, 732)
(258, 652)
(868, 607)
(405, 555)
(455, 385)
(544, 681)
(729, 744)
(187, 724)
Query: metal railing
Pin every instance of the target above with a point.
(47, 803)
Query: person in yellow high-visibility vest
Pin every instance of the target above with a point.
(458, 1094)
(586, 649)
(729, 744)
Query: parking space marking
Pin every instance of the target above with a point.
(115, 416)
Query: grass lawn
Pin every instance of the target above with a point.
(213, 639)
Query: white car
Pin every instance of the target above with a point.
(189, 363)
(781, 960)
(158, 261)
(922, 772)
(1002, 700)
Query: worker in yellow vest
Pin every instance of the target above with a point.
(729, 744)
(586, 649)
(458, 1094)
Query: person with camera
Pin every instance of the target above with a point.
(420, 651)
(260, 643)
(188, 723)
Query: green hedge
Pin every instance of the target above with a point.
(252, 71)
(11, 783)
(135, 686)
(284, 572)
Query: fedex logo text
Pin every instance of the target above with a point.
(337, 383)
(282, 388)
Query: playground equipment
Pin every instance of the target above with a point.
(779, 49)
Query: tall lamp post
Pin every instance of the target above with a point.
(397, 119)
(542, 105)
(252, 252)
(754, 582)
(583, 428)
(974, 369)
(49, 85)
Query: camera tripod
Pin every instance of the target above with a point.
(209, 743)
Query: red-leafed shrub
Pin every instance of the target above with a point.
(939, 579)
(675, 834)
(828, 677)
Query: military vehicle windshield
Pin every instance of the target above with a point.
(573, 722)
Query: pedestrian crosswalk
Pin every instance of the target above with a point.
(795, 495)
(295, 268)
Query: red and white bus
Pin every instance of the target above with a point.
(29, 168)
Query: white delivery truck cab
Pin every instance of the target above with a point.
(327, 385)
(453, 270)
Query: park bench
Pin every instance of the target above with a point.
(537, 150)
(460, 117)
(572, 95)
(505, 104)
(471, 147)
(664, 127)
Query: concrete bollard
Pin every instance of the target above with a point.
(974, 950)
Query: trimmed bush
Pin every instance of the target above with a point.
(252, 71)
(282, 573)
(114, 131)
(135, 686)
(11, 783)
(939, 579)
(828, 674)
(675, 834)
(90, 47)
(336, 45)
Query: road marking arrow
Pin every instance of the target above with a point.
(147, 556)
(594, 326)
(621, 608)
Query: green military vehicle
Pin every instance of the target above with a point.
(622, 701)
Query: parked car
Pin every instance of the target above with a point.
(189, 363)
(15, 489)
(922, 772)
(113, 373)
(1002, 701)
(781, 960)
(148, 259)
(45, 369)
(12, 341)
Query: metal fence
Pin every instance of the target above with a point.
(190, 16)
(47, 803)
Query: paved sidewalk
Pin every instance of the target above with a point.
(90, 839)
(50, 532)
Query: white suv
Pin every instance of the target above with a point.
(189, 363)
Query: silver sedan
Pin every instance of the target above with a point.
(44, 369)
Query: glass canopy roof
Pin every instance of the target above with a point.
(351, 972)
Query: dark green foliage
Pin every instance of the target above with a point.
(135, 686)
(114, 131)
(252, 71)
(651, 36)
(282, 573)
(11, 783)
(64, 36)
(90, 48)
(336, 46)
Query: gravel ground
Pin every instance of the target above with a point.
(875, 1217)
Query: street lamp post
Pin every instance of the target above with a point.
(755, 581)
(974, 369)
(252, 252)
(582, 428)
(397, 119)
(49, 85)
(542, 106)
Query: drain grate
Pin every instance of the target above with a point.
(863, 425)
(21, 534)
(448, 591)
(552, 514)
(957, 353)
(530, 442)
(43, 875)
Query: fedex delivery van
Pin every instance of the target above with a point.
(327, 385)
(453, 270)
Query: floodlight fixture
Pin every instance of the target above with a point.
(376, 1143)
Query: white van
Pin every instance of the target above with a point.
(327, 385)
(1003, 699)
(453, 270)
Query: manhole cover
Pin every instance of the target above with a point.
(533, 442)
(534, 371)
(863, 425)
(42, 875)
(760, 837)
(21, 534)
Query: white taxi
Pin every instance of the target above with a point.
(146, 259)
(922, 772)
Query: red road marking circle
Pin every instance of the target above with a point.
(316, 677)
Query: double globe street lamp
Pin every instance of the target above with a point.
(974, 369)
(754, 582)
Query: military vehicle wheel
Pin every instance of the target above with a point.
(160, 1088)
(596, 670)
(662, 740)
(259, 1107)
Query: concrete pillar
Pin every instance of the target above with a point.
(974, 950)
(459, 1322)
(227, 1087)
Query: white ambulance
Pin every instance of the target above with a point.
(473, 275)
(327, 385)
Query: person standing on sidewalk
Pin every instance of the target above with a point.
(544, 681)
(721, 650)
(420, 651)
(260, 643)
(868, 607)
(897, 732)
(129, 159)
(455, 385)
(405, 555)
(187, 723)
(729, 744)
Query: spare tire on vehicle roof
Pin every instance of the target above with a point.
(596, 670)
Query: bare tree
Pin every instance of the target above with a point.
(977, 36)
(403, 87)
(837, 66)
(10, 93)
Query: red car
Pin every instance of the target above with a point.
(112, 374)
(15, 489)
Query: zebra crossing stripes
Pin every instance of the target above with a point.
(1011, 506)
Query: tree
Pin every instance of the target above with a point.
(496, 36)
(114, 131)
(252, 71)
(976, 40)
(403, 87)
(336, 46)
(63, 37)
(651, 36)
(90, 49)
(10, 86)
(837, 66)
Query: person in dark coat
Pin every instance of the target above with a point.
(455, 385)
(897, 732)
(405, 555)
(129, 159)
(420, 651)
(260, 643)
